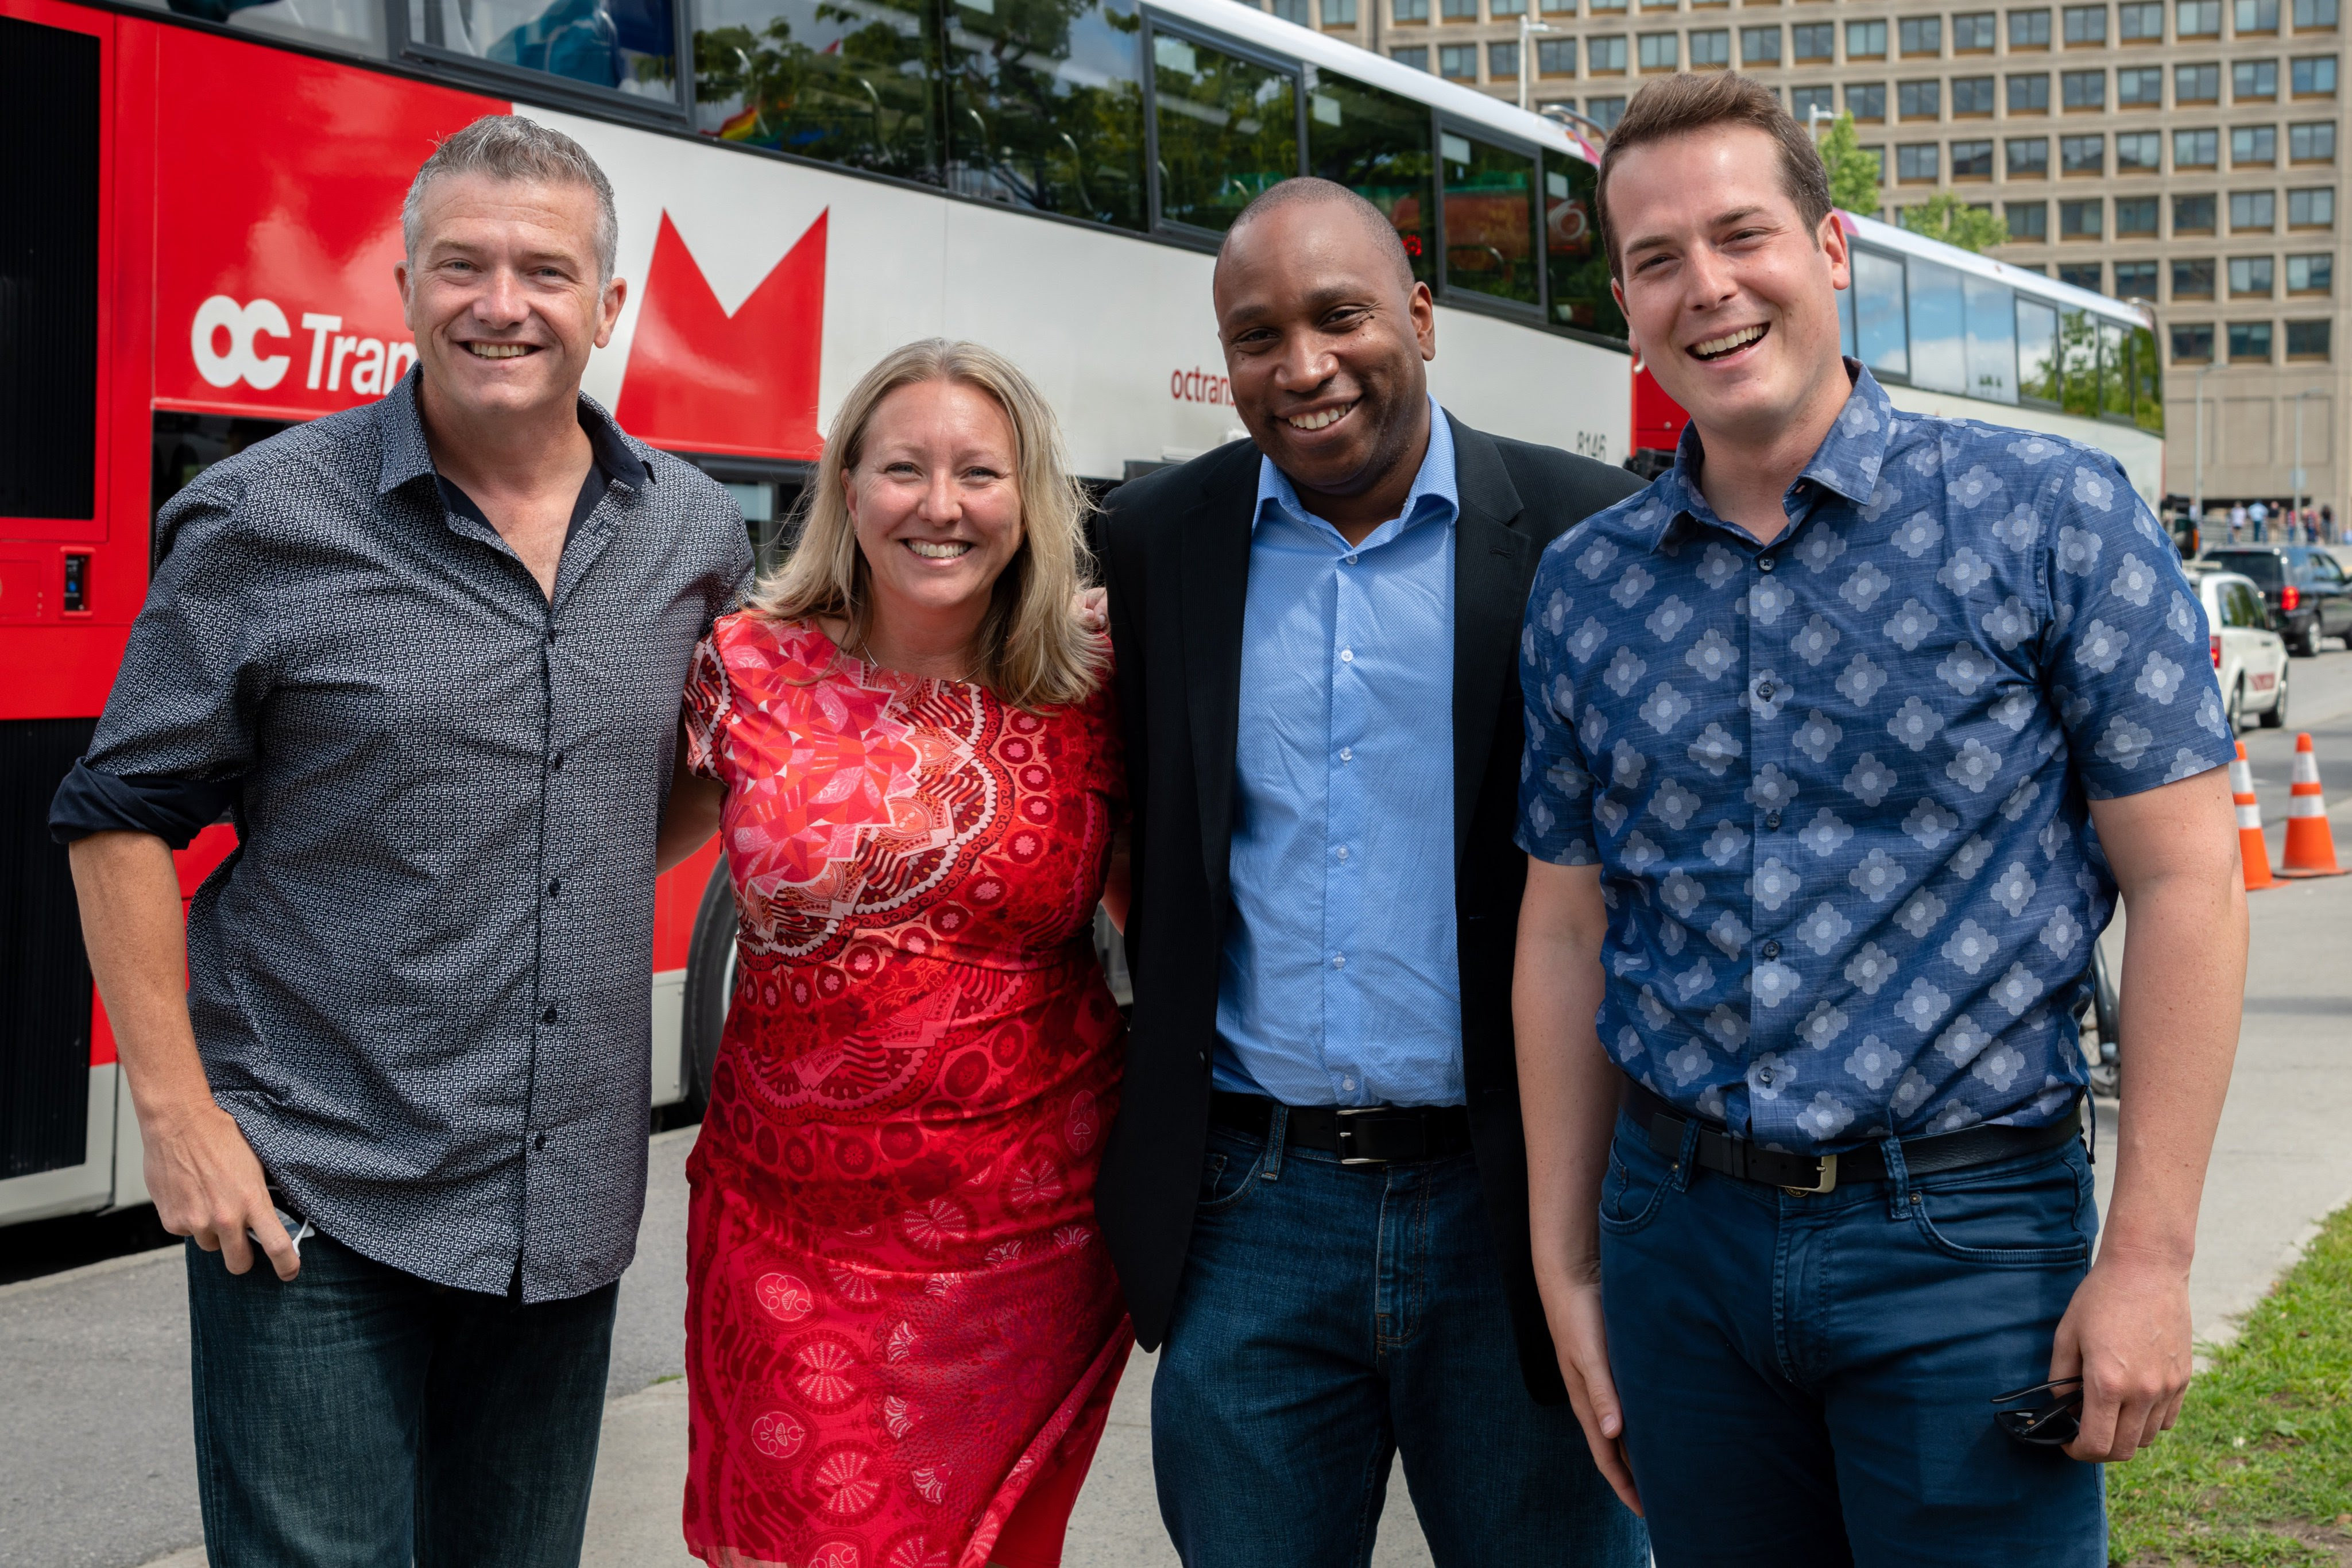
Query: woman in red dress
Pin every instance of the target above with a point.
(902, 1329)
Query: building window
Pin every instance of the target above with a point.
(2134, 280)
(2195, 84)
(2197, 19)
(2250, 342)
(2250, 276)
(2081, 274)
(1555, 56)
(2083, 90)
(2086, 155)
(1660, 51)
(2313, 209)
(2140, 87)
(1759, 45)
(1972, 33)
(2252, 211)
(1710, 47)
(1410, 11)
(1414, 55)
(2192, 279)
(1503, 61)
(1972, 97)
(2028, 29)
(1866, 101)
(2253, 145)
(2311, 143)
(2080, 220)
(1499, 9)
(2192, 215)
(2306, 340)
(2196, 149)
(1914, 163)
(1560, 7)
(2192, 343)
(2141, 23)
(2085, 26)
(2134, 217)
(2253, 81)
(1813, 41)
(2311, 274)
(1865, 40)
(1458, 62)
(2313, 15)
(2254, 17)
(1921, 35)
(2029, 95)
(2029, 157)
(1972, 160)
(1605, 112)
(1803, 100)
(2029, 222)
(1338, 13)
(2315, 77)
(1605, 57)
(1919, 99)
(1598, 7)
(2139, 152)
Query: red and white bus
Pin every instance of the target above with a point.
(198, 221)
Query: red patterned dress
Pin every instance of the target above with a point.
(902, 1328)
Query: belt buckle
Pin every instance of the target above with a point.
(1828, 1182)
(1347, 1138)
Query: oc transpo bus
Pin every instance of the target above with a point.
(198, 222)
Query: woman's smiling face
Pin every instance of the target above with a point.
(935, 497)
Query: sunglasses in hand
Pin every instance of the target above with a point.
(2050, 1425)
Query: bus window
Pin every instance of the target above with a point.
(332, 23)
(2037, 351)
(1228, 130)
(1938, 343)
(1377, 144)
(1579, 270)
(627, 45)
(1878, 313)
(817, 78)
(1490, 218)
(1045, 106)
(1845, 319)
(2147, 381)
(1992, 341)
(2078, 359)
(2115, 371)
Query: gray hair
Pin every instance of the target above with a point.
(509, 147)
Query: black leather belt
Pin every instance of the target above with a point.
(1718, 1151)
(1372, 1136)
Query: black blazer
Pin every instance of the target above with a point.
(1176, 552)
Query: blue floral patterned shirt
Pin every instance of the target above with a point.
(1838, 785)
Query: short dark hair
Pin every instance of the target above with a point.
(1308, 190)
(1679, 104)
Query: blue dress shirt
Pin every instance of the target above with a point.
(1838, 786)
(1340, 983)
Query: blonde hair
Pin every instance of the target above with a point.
(1033, 654)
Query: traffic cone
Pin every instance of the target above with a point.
(2251, 851)
(2310, 842)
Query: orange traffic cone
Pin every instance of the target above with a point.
(2255, 853)
(2310, 842)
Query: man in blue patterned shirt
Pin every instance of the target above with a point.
(1843, 737)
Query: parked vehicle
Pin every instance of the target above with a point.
(2303, 585)
(2250, 658)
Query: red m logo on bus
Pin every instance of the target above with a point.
(745, 384)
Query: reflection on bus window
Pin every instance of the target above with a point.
(1490, 223)
(1046, 106)
(2147, 381)
(1377, 144)
(1992, 341)
(2078, 359)
(843, 81)
(1939, 344)
(334, 23)
(1228, 130)
(2115, 371)
(1578, 268)
(1878, 313)
(629, 46)
(2037, 350)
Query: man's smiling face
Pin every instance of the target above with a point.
(1325, 333)
(1730, 297)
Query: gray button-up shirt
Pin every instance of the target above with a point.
(422, 984)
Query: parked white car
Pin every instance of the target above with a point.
(2249, 658)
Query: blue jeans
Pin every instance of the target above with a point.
(1331, 1317)
(360, 1417)
(1808, 1380)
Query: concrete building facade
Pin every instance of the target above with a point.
(2186, 153)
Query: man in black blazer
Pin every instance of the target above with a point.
(1316, 1189)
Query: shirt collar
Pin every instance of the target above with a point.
(406, 456)
(1434, 493)
(1846, 463)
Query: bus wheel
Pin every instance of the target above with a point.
(710, 983)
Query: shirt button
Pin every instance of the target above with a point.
(1347, 656)
(1764, 563)
(547, 1017)
(550, 633)
(1351, 560)
(555, 888)
(1771, 949)
(1772, 821)
(1764, 1076)
(540, 1142)
(1347, 1084)
(1343, 851)
(556, 762)
(1764, 690)
(1339, 960)
(1347, 754)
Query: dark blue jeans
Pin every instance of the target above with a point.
(360, 1418)
(1807, 1379)
(1331, 1317)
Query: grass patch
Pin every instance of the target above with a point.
(2258, 1470)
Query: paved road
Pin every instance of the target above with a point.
(94, 1458)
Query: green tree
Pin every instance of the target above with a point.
(1854, 174)
(1946, 217)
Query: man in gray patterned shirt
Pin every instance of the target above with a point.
(428, 654)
